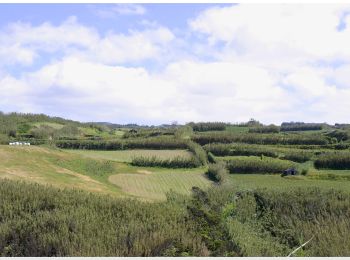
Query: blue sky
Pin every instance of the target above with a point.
(158, 63)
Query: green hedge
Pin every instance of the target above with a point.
(257, 165)
(336, 160)
(177, 162)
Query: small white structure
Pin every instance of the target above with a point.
(20, 143)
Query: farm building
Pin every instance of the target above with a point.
(290, 171)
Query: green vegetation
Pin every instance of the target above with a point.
(208, 126)
(177, 162)
(265, 129)
(154, 184)
(256, 138)
(254, 164)
(127, 155)
(337, 160)
(101, 189)
(300, 126)
(217, 172)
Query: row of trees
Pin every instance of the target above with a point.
(177, 162)
(208, 126)
(300, 126)
(292, 154)
(337, 160)
(254, 138)
(124, 144)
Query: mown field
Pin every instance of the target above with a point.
(126, 156)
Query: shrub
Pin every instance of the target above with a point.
(217, 172)
(198, 152)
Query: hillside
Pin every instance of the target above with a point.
(200, 189)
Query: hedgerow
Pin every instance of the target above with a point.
(177, 162)
(257, 165)
(335, 160)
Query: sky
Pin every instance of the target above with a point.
(159, 63)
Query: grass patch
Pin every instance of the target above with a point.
(127, 155)
(152, 185)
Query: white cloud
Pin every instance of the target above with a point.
(120, 9)
(22, 43)
(307, 28)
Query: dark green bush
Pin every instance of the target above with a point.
(217, 172)
(208, 126)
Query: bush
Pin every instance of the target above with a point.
(217, 172)
(198, 152)
(257, 165)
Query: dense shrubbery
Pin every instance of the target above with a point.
(300, 126)
(254, 138)
(176, 162)
(208, 126)
(257, 165)
(217, 172)
(143, 133)
(198, 152)
(139, 143)
(336, 160)
(297, 155)
(44, 221)
(265, 129)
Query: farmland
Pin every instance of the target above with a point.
(200, 189)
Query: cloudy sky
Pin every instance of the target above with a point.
(158, 63)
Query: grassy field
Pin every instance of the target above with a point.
(52, 125)
(276, 182)
(150, 185)
(237, 129)
(96, 172)
(48, 166)
(127, 155)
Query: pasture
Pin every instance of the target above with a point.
(150, 185)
